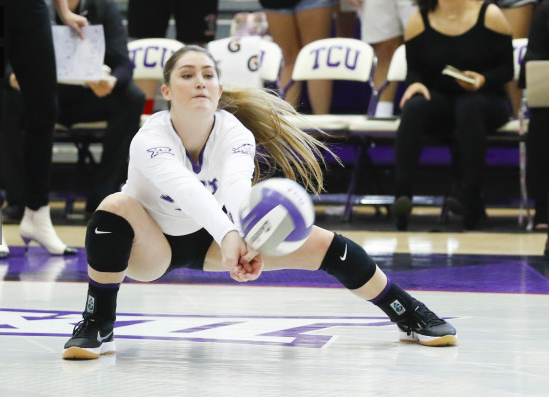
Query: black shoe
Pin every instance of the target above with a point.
(422, 325)
(469, 205)
(401, 210)
(90, 339)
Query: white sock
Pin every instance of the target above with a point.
(384, 109)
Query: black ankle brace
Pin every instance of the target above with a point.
(348, 262)
(101, 301)
(394, 301)
(109, 240)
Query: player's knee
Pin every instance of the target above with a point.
(119, 204)
(348, 262)
(109, 240)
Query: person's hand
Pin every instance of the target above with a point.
(101, 88)
(74, 21)
(233, 248)
(251, 264)
(479, 81)
(14, 83)
(413, 89)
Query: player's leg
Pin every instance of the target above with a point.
(122, 239)
(356, 270)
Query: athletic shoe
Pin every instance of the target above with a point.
(423, 326)
(90, 339)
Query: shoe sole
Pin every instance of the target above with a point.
(446, 340)
(81, 353)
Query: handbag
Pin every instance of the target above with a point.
(276, 4)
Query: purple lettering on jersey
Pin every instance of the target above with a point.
(155, 151)
(245, 149)
(167, 198)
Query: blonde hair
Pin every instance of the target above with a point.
(280, 145)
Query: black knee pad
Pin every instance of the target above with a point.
(109, 240)
(348, 262)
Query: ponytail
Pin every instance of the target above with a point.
(279, 143)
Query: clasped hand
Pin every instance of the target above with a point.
(243, 262)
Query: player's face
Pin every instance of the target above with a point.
(194, 84)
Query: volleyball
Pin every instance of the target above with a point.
(277, 216)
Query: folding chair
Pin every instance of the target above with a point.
(332, 59)
(247, 61)
(516, 130)
(148, 58)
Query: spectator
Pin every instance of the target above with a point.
(291, 28)
(195, 24)
(29, 47)
(518, 14)
(537, 139)
(115, 99)
(475, 37)
(383, 24)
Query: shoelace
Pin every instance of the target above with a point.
(81, 327)
(428, 316)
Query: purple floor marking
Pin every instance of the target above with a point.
(474, 273)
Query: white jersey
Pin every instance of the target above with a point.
(181, 195)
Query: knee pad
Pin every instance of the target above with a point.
(109, 240)
(348, 262)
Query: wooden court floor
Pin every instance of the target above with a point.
(290, 333)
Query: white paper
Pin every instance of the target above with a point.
(79, 60)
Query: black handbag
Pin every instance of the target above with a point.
(274, 4)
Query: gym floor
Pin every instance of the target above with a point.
(290, 333)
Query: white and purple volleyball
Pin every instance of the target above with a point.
(277, 216)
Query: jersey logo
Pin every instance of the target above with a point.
(155, 151)
(245, 149)
(167, 198)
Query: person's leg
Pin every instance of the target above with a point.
(123, 114)
(320, 91)
(420, 116)
(12, 137)
(283, 29)
(476, 114)
(383, 24)
(122, 239)
(356, 270)
(148, 19)
(197, 26)
(29, 47)
(519, 18)
(384, 52)
(537, 166)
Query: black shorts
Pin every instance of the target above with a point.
(195, 23)
(189, 251)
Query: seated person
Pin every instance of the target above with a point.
(120, 103)
(472, 36)
(537, 139)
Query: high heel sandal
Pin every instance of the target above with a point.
(36, 226)
(4, 249)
